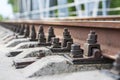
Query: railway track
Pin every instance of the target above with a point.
(98, 18)
(108, 31)
(97, 43)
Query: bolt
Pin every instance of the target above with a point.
(91, 44)
(69, 45)
(55, 43)
(41, 36)
(27, 31)
(50, 34)
(18, 28)
(41, 30)
(55, 40)
(92, 37)
(66, 37)
(22, 30)
(66, 33)
(33, 34)
(97, 53)
(76, 51)
(14, 28)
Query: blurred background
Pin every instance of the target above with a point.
(42, 9)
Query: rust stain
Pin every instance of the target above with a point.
(108, 32)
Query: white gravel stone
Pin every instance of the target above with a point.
(47, 66)
(33, 52)
(25, 45)
(15, 42)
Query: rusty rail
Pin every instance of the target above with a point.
(108, 32)
(98, 18)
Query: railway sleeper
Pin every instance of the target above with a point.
(21, 63)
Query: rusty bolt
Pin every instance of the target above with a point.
(55, 40)
(50, 34)
(66, 37)
(91, 44)
(33, 34)
(66, 33)
(41, 30)
(55, 43)
(27, 31)
(41, 38)
(92, 37)
(76, 51)
(18, 28)
(22, 30)
(69, 45)
(97, 53)
(14, 28)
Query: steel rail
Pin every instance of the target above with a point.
(108, 32)
(98, 18)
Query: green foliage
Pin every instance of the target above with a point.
(114, 4)
(71, 9)
(100, 5)
(11, 2)
(70, 1)
(1, 18)
(14, 5)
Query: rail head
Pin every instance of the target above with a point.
(83, 24)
